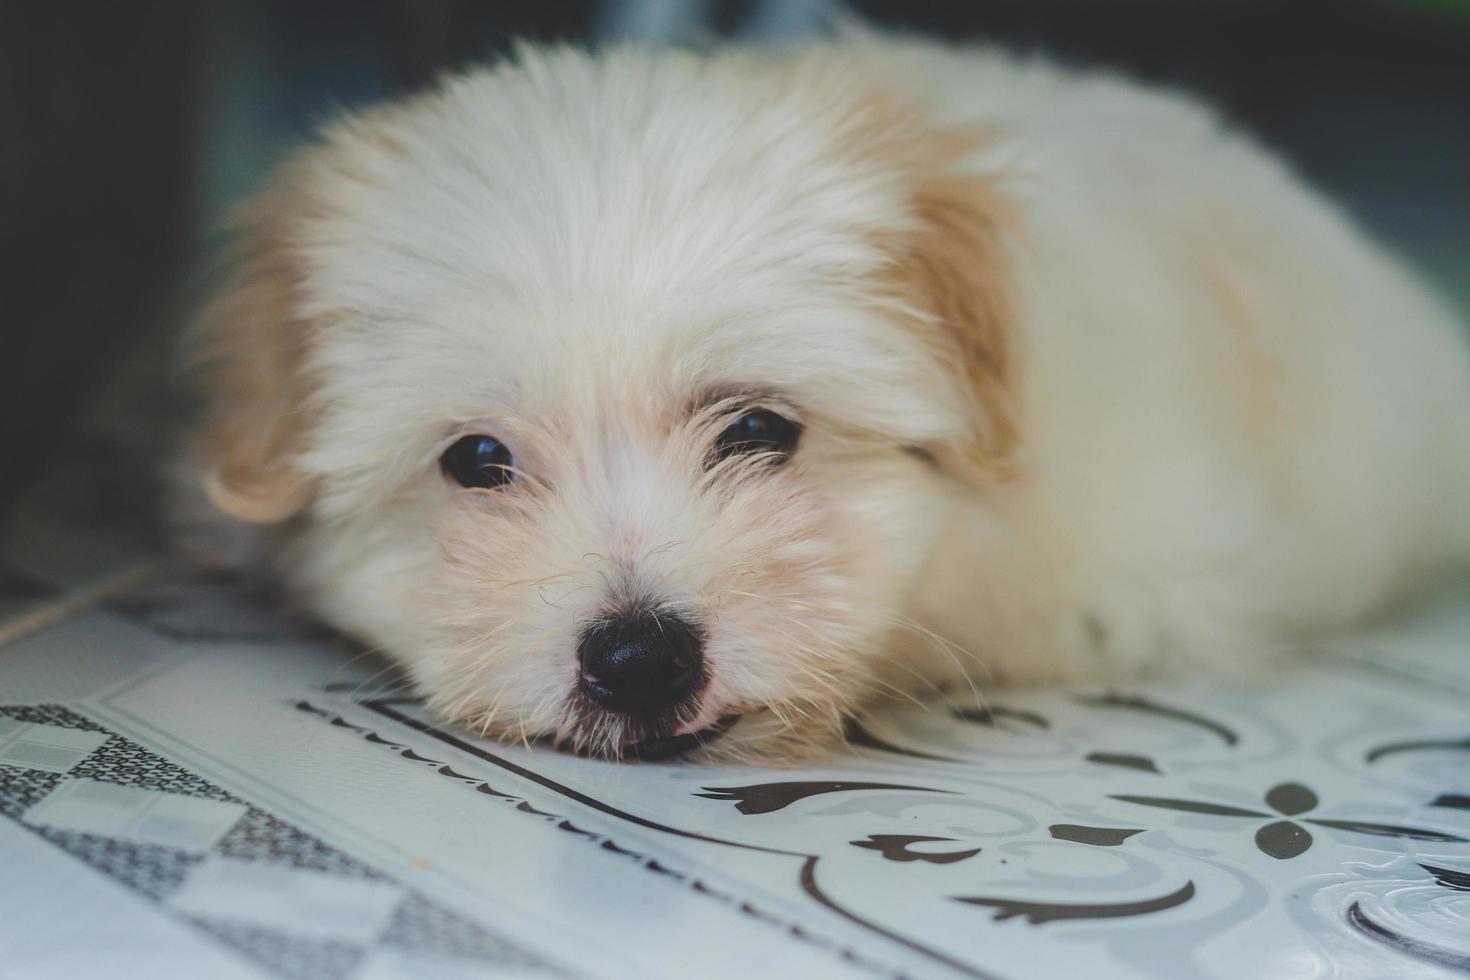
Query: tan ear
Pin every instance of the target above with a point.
(253, 343)
(952, 270)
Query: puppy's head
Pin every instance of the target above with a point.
(620, 397)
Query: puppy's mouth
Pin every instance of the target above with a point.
(671, 746)
(609, 735)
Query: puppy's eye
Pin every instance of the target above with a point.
(477, 461)
(758, 431)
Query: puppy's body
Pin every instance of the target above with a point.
(1086, 384)
(1244, 423)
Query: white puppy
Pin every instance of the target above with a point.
(619, 396)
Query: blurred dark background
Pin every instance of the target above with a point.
(130, 129)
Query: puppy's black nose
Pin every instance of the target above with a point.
(641, 664)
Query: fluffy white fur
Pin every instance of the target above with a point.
(1197, 415)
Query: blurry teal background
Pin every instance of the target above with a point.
(132, 129)
(1370, 100)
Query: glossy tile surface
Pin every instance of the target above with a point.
(1316, 825)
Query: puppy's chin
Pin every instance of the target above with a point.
(764, 735)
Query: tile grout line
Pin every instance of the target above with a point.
(75, 602)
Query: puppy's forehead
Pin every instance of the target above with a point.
(628, 223)
(577, 185)
(631, 173)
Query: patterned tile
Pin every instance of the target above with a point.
(286, 955)
(422, 925)
(325, 911)
(261, 837)
(126, 763)
(148, 868)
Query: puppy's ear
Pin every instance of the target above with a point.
(253, 344)
(953, 273)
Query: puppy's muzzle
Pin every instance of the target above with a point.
(642, 664)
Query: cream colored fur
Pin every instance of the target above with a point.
(1091, 384)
